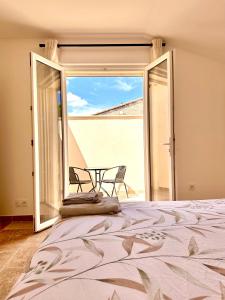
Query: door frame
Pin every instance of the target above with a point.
(108, 70)
(38, 226)
(168, 56)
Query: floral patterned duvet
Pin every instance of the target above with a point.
(159, 250)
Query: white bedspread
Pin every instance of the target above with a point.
(159, 250)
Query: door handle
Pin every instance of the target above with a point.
(166, 144)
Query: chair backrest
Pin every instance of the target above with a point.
(120, 174)
(73, 177)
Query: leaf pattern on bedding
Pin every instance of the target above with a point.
(148, 251)
(196, 230)
(160, 220)
(105, 224)
(212, 251)
(130, 222)
(91, 246)
(219, 270)
(177, 215)
(144, 212)
(62, 270)
(146, 281)
(52, 249)
(26, 290)
(44, 281)
(131, 238)
(165, 297)
(125, 283)
(157, 295)
(187, 276)
(115, 296)
(128, 244)
(127, 222)
(57, 252)
(222, 289)
(135, 222)
(151, 248)
(219, 227)
(68, 231)
(199, 298)
(193, 247)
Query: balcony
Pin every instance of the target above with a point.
(108, 141)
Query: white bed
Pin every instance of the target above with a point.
(159, 250)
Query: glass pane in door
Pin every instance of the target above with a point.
(49, 112)
(160, 132)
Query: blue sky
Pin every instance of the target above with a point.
(89, 95)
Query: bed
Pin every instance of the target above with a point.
(159, 250)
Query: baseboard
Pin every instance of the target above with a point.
(8, 219)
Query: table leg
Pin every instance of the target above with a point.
(100, 178)
(95, 184)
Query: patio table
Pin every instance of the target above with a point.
(98, 174)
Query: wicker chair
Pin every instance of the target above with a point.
(74, 178)
(119, 178)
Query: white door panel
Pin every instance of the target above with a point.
(159, 127)
(49, 140)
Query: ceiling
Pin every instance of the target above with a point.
(198, 25)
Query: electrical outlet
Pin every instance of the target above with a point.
(21, 202)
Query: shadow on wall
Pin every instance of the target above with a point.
(109, 142)
(76, 158)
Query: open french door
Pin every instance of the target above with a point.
(159, 129)
(49, 140)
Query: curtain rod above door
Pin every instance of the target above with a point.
(104, 45)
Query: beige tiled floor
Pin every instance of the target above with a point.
(17, 244)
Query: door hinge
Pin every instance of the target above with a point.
(33, 173)
(31, 108)
(32, 143)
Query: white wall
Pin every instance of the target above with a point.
(199, 126)
(109, 141)
(105, 54)
(15, 126)
(16, 182)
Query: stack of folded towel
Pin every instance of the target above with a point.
(89, 204)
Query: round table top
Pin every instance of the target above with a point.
(96, 168)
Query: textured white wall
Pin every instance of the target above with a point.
(15, 126)
(109, 142)
(199, 122)
(199, 126)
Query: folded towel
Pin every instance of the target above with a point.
(81, 198)
(108, 205)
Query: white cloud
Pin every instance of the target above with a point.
(84, 111)
(91, 110)
(78, 106)
(123, 85)
(75, 101)
(68, 79)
